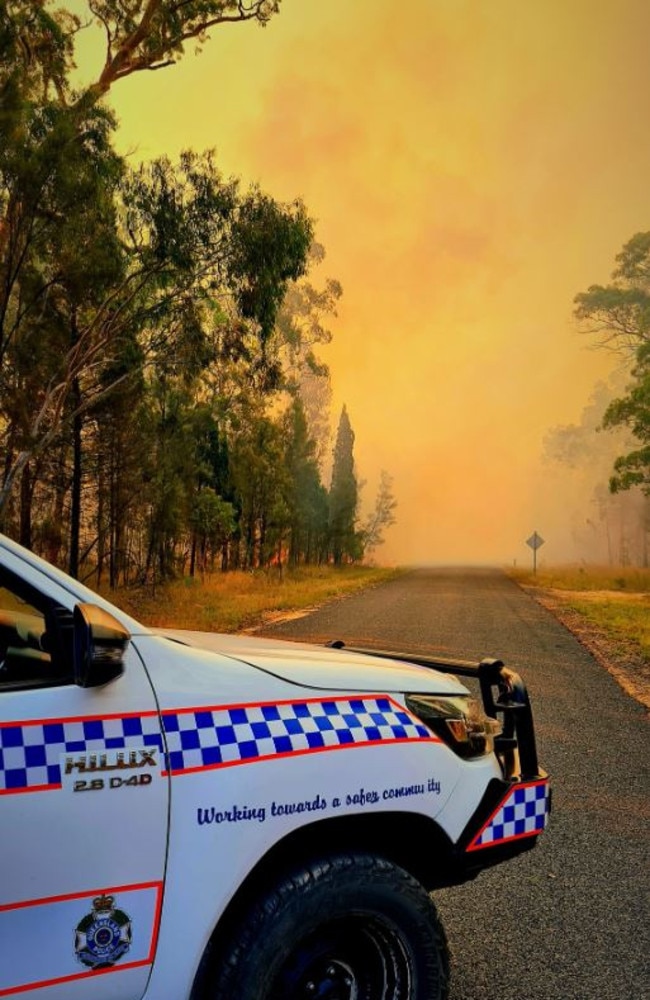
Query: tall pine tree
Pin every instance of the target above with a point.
(344, 495)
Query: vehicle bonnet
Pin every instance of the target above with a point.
(320, 666)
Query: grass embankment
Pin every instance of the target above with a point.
(227, 602)
(616, 601)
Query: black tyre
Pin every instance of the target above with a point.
(349, 927)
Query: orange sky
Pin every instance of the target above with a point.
(472, 165)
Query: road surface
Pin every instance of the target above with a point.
(570, 919)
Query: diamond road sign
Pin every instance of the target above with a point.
(535, 541)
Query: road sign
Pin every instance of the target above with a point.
(535, 542)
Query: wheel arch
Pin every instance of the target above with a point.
(410, 840)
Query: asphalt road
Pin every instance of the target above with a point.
(570, 919)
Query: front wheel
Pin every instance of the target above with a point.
(349, 927)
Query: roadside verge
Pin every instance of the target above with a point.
(621, 657)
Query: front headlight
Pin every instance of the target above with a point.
(460, 722)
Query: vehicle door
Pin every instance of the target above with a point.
(83, 810)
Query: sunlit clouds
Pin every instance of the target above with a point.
(471, 166)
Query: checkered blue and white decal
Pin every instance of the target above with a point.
(219, 737)
(523, 813)
(31, 752)
(200, 738)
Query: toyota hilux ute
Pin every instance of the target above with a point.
(189, 816)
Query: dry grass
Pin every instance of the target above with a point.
(626, 579)
(228, 602)
(624, 617)
(616, 600)
(608, 609)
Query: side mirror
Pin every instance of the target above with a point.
(99, 645)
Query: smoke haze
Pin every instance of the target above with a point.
(471, 166)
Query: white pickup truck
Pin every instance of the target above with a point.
(188, 816)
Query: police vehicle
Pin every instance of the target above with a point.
(188, 816)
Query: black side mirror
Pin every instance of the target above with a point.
(99, 645)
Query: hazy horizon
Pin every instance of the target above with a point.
(471, 167)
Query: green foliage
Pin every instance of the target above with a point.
(301, 329)
(305, 496)
(382, 516)
(620, 314)
(343, 496)
(36, 49)
(151, 34)
(259, 476)
(161, 401)
(269, 248)
(213, 523)
(57, 209)
(59, 256)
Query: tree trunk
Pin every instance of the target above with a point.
(100, 479)
(75, 498)
(26, 494)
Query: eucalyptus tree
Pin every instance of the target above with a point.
(306, 497)
(127, 296)
(260, 481)
(70, 258)
(199, 270)
(57, 233)
(302, 329)
(217, 263)
(46, 128)
(119, 447)
(213, 512)
(152, 34)
(619, 315)
(382, 515)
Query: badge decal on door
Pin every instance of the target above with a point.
(103, 936)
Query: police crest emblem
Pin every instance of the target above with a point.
(102, 936)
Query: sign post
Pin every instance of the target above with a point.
(535, 542)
